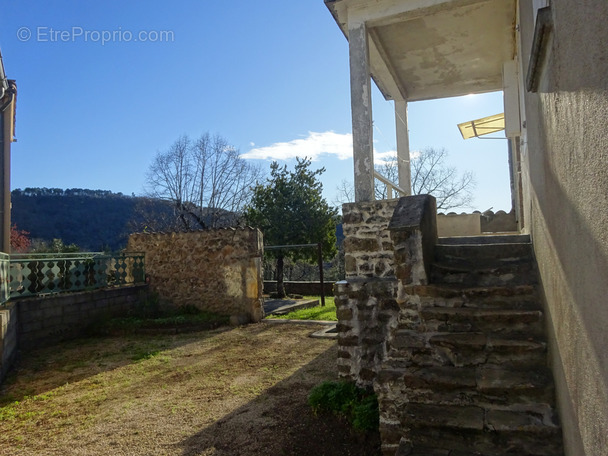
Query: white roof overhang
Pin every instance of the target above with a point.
(427, 49)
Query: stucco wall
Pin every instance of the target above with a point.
(216, 270)
(565, 172)
(458, 224)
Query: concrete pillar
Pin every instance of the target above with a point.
(403, 146)
(361, 106)
(6, 137)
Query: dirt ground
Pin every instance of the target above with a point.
(228, 392)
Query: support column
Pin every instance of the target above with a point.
(361, 107)
(403, 146)
(6, 137)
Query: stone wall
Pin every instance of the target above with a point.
(367, 311)
(367, 245)
(376, 235)
(365, 303)
(216, 270)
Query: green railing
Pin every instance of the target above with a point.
(35, 274)
(5, 291)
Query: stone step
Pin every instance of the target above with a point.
(472, 319)
(480, 431)
(483, 255)
(465, 371)
(480, 386)
(413, 348)
(466, 349)
(488, 239)
(522, 273)
(463, 443)
(501, 297)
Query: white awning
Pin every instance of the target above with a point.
(483, 126)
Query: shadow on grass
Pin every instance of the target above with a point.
(280, 422)
(42, 370)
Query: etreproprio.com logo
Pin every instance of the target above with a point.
(76, 34)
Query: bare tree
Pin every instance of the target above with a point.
(346, 193)
(429, 175)
(206, 181)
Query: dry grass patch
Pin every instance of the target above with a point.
(222, 392)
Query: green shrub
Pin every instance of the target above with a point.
(356, 404)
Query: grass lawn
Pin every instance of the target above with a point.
(230, 391)
(314, 313)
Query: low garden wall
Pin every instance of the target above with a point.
(8, 337)
(216, 270)
(39, 321)
(303, 288)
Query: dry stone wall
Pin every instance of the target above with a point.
(366, 311)
(365, 301)
(386, 243)
(216, 270)
(368, 249)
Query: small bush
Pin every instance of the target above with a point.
(357, 405)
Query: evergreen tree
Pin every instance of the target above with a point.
(290, 209)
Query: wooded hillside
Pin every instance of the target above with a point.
(92, 219)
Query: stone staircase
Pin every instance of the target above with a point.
(465, 371)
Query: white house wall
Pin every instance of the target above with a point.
(565, 169)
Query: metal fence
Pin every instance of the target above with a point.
(35, 274)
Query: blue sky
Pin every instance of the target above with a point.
(270, 75)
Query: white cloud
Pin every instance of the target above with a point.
(313, 146)
(381, 158)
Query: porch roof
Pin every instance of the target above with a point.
(426, 49)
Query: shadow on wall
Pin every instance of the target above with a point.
(572, 263)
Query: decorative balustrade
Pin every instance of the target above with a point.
(35, 274)
(5, 293)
